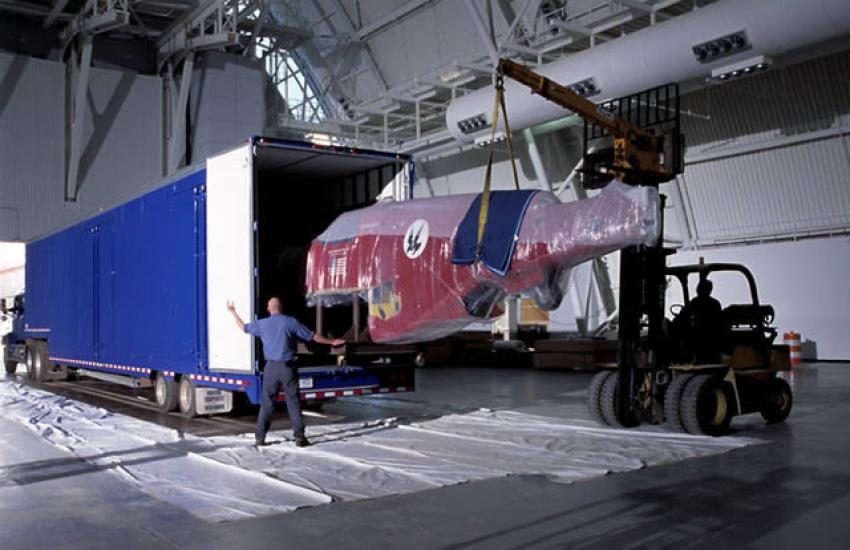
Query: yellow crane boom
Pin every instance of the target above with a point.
(637, 152)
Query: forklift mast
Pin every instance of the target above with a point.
(646, 151)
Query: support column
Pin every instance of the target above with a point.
(355, 311)
(320, 318)
(78, 103)
(386, 131)
(177, 139)
(536, 159)
(599, 267)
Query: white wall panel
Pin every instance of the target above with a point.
(12, 260)
(805, 282)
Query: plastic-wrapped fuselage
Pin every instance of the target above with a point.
(398, 257)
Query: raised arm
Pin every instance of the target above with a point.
(239, 322)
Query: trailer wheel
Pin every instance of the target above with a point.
(37, 362)
(778, 402)
(28, 362)
(673, 402)
(165, 391)
(706, 405)
(186, 398)
(594, 396)
(608, 403)
(42, 362)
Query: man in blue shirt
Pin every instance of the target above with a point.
(279, 333)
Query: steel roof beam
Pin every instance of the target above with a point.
(390, 19)
(481, 28)
(55, 11)
(27, 8)
(96, 17)
(637, 5)
(211, 25)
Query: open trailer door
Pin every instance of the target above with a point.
(230, 258)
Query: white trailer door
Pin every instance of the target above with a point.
(230, 258)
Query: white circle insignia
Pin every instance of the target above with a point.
(415, 239)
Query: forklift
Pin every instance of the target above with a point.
(669, 371)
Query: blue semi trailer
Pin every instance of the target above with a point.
(138, 292)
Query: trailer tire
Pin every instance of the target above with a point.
(42, 362)
(37, 362)
(673, 403)
(594, 396)
(165, 393)
(778, 401)
(608, 403)
(186, 398)
(28, 363)
(707, 405)
(11, 367)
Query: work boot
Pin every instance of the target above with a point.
(261, 442)
(301, 441)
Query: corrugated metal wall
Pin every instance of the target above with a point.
(227, 102)
(772, 157)
(121, 150)
(32, 133)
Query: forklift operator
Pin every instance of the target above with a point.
(704, 318)
(278, 333)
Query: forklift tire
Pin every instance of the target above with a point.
(165, 393)
(673, 402)
(186, 398)
(778, 401)
(707, 405)
(594, 396)
(608, 403)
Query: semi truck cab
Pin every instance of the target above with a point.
(12, 332)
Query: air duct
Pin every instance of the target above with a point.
(686, 47)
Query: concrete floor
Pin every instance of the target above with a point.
(793, 492)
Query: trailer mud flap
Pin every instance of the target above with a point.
(213, 401)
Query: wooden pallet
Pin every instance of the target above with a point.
(577, 354)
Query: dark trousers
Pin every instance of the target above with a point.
(277, 374)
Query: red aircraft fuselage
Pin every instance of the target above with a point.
(397, 255)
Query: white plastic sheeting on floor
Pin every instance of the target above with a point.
(224, 478)
(157, 460)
